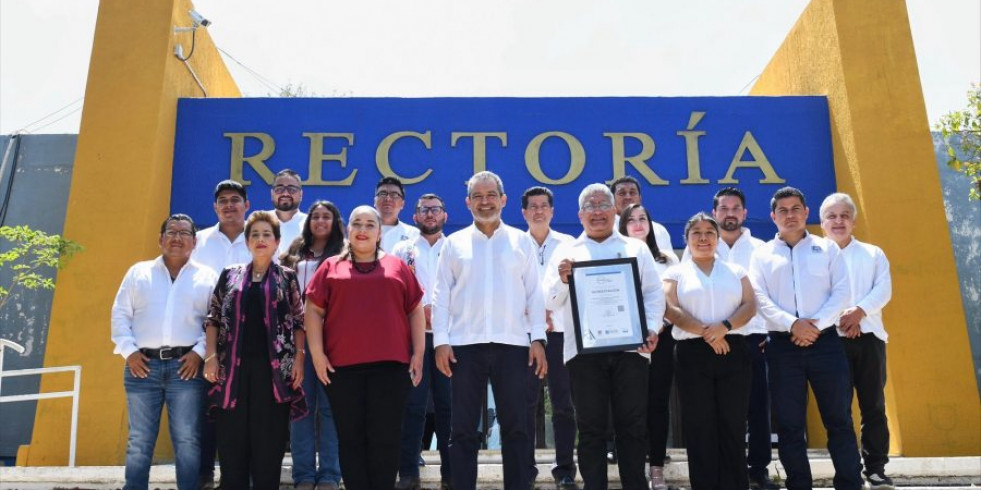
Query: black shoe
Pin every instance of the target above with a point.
(762, 482)
(565, 483)
(408, 483)
(879, 481)
(445, 485)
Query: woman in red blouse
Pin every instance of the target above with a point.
(366, 328)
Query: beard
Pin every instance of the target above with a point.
(431, 230)
(731, 225)
(284, 205)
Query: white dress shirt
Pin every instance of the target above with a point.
(216, 251)
(151, 311)
(487, 289)
(809, 280)
(871, 284)
(392, 235)
(740, 254)
(421, 257)
(615, 246)
(708, 298)
(288, 231)
(545, 251)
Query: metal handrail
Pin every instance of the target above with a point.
(4, 343)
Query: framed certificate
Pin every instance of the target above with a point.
(607, 305)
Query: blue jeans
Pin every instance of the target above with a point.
(824, 366)
(414, 420)
(145, 398)
(306, 443)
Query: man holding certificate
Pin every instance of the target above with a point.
(607, 287)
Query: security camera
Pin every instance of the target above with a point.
(198, 19)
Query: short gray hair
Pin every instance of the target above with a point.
(594, 189)
(485, 176)
(363, 209)
(837, 198)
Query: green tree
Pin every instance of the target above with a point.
(961, 131)
(31, 257)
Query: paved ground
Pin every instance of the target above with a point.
(962, 472)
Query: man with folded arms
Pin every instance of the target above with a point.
(157, 326)
(863, 334)
(801, 285)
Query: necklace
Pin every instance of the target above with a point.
(257, 276)
(364, 269)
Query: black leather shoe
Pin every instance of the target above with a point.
(762, 482)
(566, 483)
(408, 483)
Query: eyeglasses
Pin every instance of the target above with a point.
(435, 210)
(292, 189)
(589, 208)
(178, 233)
(386, 195)
(536, 208)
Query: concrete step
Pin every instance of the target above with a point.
(960, 472)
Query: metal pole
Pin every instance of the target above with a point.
(74, 434)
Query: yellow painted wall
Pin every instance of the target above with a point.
(120, 194)
(860, 55)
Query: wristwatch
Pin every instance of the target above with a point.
(727, 324)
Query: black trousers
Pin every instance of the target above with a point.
(867, 362)
(599, 382)
(659, 395)
(759, 455)
(563, 415)
(506, 367)
(251, 438)
(368, 401)
(714, 391)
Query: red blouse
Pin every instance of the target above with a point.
(367, 313)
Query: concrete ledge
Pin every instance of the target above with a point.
(924, 472)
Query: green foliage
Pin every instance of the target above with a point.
(961, 131)
(32, 253)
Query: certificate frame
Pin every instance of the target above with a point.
(607, 305)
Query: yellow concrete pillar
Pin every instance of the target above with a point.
(860, 55)
(120, 194)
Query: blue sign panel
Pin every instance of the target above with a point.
(681, 149)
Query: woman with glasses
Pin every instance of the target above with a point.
(322, 237)
(253, 328)
(709, 302)
(367, 336)
(636, 222)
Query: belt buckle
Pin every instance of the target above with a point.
(165, 351)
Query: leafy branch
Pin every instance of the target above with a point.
(961, 131)
(30, 256)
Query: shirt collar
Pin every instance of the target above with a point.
(805, 238)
